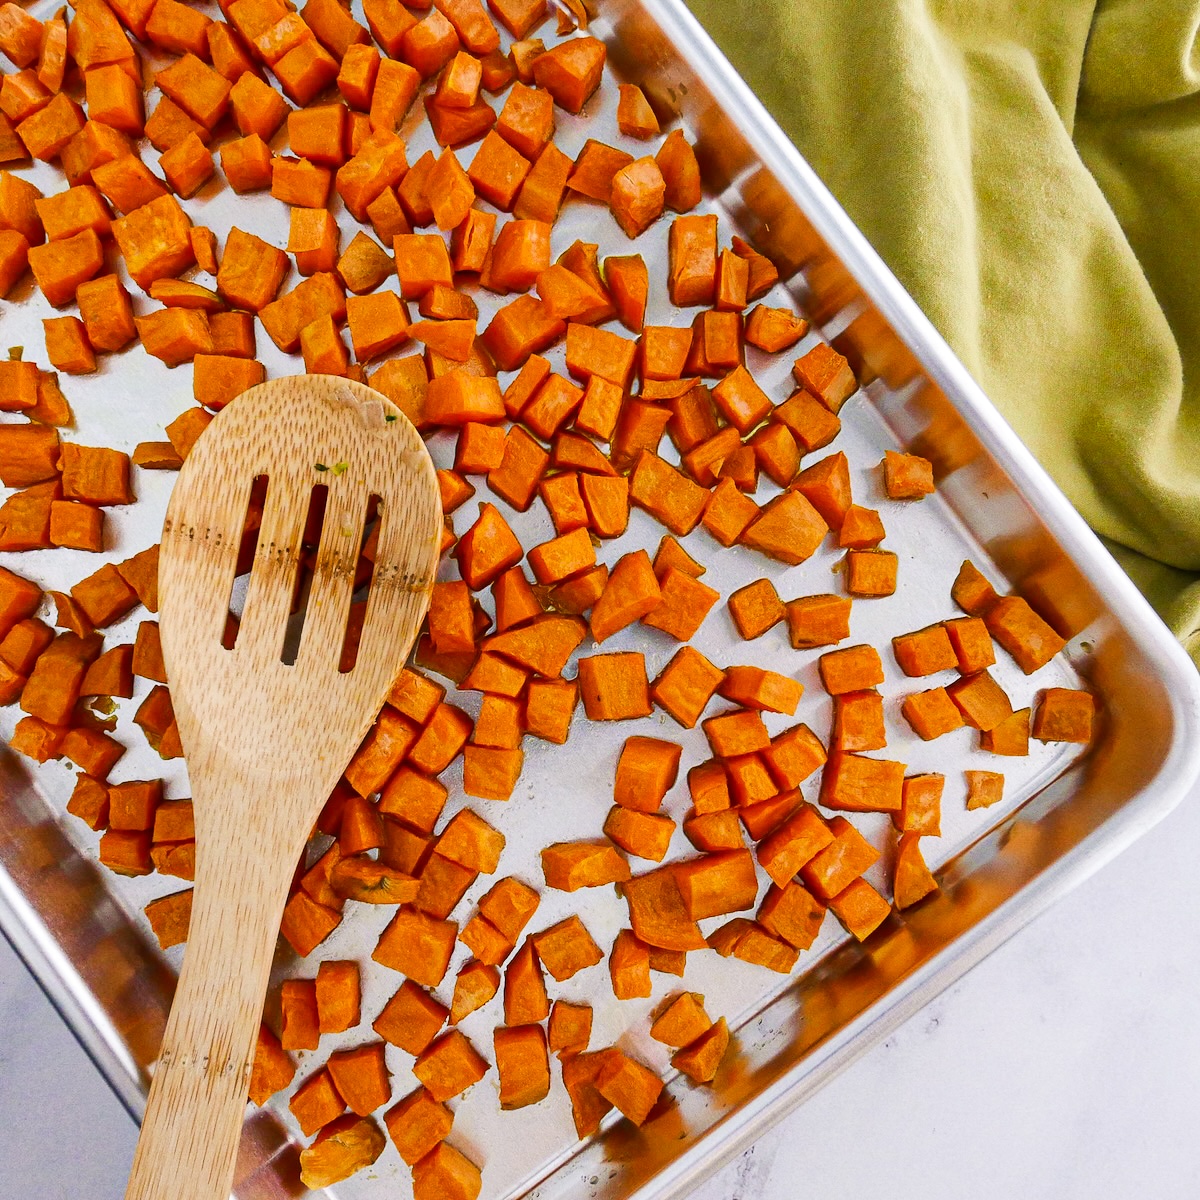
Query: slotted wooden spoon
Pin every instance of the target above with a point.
(266, 742)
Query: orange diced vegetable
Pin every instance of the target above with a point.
(1064, 715)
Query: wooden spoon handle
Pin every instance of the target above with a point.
(189, 1140)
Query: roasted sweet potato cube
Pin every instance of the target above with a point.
(614, 686)
(906, 476)
(417, 945)
(571, 71)
(522, 1064)
(792, 914)
(920, 805)
(860, 908)
(971, 591)
(686, 685)
(411, 1019)
(931, 714)
(449, 1066)
(475, 984)
(316, 1102)
(855, 783)
(714, 884)
(445, 1173)
(417, 1125)
(972, 644)
(568, 866)
(850, 670)
(843, 860)
(1064, 715)
(1025, 635)
(981, 700)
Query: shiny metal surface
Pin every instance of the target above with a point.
(81, 928)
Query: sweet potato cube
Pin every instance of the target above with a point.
(754, 687)
(931, 714)
(449, 1066)
(571, 71)
(628, 1086)
(491, 773)
(124, 851)
(646, 771)
(981, 700)
(272, 1070)
(912, 879)
(843, 860)
(686, 685)
(525, 1000)
(446, 1174)
(316, 1102)
(338, 996)
(826, 375)
(860, 908)
(793, 844)
(789, 529)
(632, 592)
(792, 914)
(614, 687)
(850, 670)
(471, 842)
(925, 652)
(411, 1019)
(417, 945)
(549, 707)
(1064, 715)
(569, 1028)
(67, 346)
(972, 644)
(972, 592)
(855, 783)
(714, 884)
(984, 788)
(906, 476)
(475, 984)
(522, 1064)
(361, 1078)
(1029, 639)
(755, 608)
(858, 721)
(298, 1004)
(60, 266)
(417, 1125)
(871, 572)
(817, 620)
(568, 866)
(920, 805)
(642, 834)
(701, 1059)
(692, 268)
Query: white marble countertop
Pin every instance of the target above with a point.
(1065, 1066)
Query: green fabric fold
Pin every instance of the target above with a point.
(1031, 173)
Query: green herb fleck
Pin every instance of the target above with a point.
(340, 468)
(16, 353)
(320, 466)
(389, 417)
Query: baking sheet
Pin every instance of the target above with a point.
(565, 791)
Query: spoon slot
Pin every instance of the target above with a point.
(314, 524)
(247, 547)
(364, 577)
(271, 591)
(330, 607)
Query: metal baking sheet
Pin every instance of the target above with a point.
(82, 929)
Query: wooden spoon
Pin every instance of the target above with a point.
(266, 742)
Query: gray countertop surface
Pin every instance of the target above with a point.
(1067, 1065)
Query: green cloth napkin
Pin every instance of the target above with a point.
(1030, 170)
